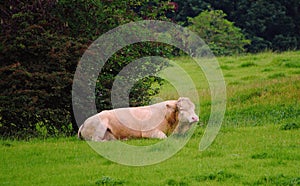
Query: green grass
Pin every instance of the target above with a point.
(261, 89)
(245, 155)
(259, 142)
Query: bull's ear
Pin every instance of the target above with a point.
(170, 106)
(179, 103)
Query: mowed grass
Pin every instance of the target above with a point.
(259, 142)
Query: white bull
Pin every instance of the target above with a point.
(153, 121)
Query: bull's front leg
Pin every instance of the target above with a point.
(108, 136)
(154, 134)
(101, 132)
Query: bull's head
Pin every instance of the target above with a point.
(186, 111)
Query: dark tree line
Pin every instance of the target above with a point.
(268, 24)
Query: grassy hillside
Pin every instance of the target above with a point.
(259, 142)
(261, 89)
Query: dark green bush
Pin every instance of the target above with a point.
(41, 43)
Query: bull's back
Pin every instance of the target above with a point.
(133, 121)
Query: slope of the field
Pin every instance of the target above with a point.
(258, 144)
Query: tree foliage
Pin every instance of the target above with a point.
(36, 66)
(268, 24)
(221, 35)
(185, 9)
(41, 43)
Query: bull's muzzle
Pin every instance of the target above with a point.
(195, 119)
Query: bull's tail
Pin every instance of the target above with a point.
(79, 132)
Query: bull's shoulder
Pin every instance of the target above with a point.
(170, 102)
(163, 105)
(104, 114)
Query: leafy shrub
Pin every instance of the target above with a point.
(283, 43)
(36, 70)
(221, 35)
(142, 90)
(41, 44)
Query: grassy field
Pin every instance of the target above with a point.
(259, 142)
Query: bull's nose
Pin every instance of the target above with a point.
(195, 118)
